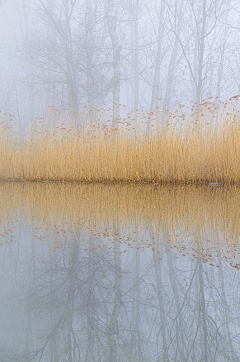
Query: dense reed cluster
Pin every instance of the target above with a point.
(196, 145)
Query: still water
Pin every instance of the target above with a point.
(119, 273)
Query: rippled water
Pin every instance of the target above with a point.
(119, 273)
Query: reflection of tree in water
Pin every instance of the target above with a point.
(120, 273)
(104, 305)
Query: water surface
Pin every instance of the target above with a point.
(119, 273)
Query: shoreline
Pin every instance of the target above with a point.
(123, 182)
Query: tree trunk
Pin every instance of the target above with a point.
(111, 24)
(156, 78)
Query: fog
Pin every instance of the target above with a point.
(118, 273)
(147, 54)
(146, 269)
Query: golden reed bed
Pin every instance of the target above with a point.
(200, 146)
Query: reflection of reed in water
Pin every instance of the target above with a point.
(159, 299)
(205, 218)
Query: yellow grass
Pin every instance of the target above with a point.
(199, 148)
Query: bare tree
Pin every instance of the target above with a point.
(116, 52)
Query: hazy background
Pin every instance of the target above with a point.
(140, 53)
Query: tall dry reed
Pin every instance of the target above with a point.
(201, 147)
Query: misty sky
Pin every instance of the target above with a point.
(143, 53)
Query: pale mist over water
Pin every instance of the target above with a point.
(119, 181)
(119, 273)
